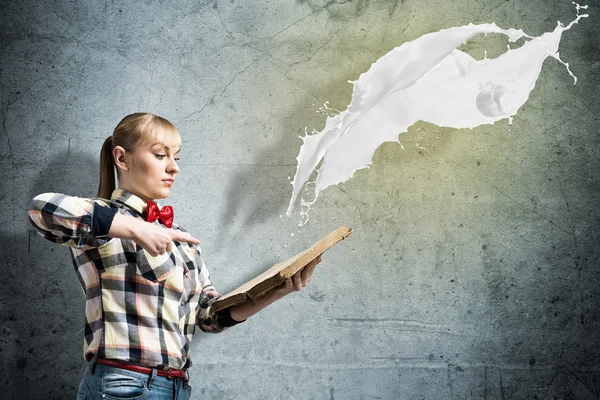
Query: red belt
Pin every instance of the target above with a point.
(169, 373)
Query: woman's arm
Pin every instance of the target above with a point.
(155, 239)
(86, 223)
(244, 310)
(220, 321)
(69, 220)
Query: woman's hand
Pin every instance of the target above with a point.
(157, 240)
(153, 238)
(300, 278)
(242, 311)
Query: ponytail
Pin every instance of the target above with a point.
(107, 170)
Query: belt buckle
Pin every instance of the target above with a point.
(169, 373)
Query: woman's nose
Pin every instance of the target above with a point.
(173, 167)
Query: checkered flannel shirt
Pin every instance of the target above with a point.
(138, 308)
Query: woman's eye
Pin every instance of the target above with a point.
(161, 156)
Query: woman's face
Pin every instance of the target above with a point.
(152, 170)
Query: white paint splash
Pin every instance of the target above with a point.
(426, 79)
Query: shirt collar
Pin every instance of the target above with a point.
(130, 200)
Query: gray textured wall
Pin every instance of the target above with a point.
(473, 268)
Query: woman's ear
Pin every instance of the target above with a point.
(121, 158)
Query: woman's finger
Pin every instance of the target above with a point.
(183, 237)
(309, 269)
(314, 262)
(298, 284)
(289, 285)
(307, 272)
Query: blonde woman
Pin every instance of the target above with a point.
(142, 275)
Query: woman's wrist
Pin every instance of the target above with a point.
(282, 291)
(124, 226)
(242, 311)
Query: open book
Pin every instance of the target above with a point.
(279, 273)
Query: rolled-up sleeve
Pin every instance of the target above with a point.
(71, 221)
(206, 320)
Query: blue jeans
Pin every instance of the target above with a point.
(102, 382)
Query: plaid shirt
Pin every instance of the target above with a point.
(138, 308)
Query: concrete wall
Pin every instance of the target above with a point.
(473, 268)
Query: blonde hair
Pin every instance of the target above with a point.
(134, 130)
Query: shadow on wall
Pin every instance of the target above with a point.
(272, 184)
(44, 305)
(263, 188)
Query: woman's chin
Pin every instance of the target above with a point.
(163, 193)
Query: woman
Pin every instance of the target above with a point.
(143, 277)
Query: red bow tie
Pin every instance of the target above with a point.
(165, 215)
